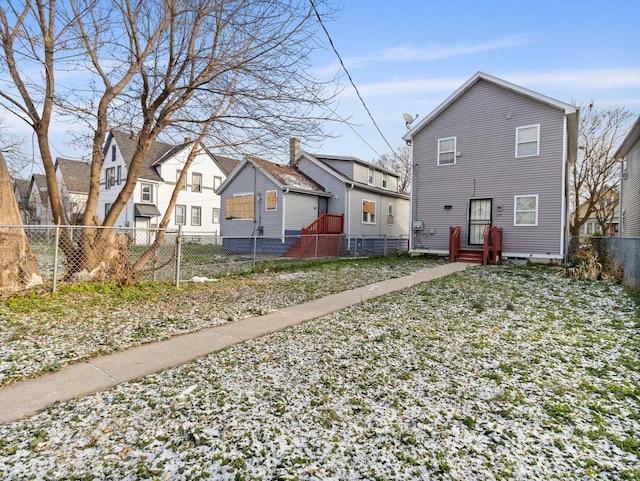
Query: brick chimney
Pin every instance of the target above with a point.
(294, 149)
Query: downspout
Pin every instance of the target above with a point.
(285, 191)
(565, 198)
(347, 211)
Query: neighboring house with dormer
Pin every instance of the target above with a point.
(73, 181)
(197, 210)
(38, 200)
(493, 154)
(326, 195)
(629, 155)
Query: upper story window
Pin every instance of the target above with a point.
(110, 177)
(372, 176)
(113, 153)
(217, 181)
(196, 182)
(528, 141)
(146, 194)
(525, 210)
(183, 186)
(447, 151)
(385, 180)
(119, 174)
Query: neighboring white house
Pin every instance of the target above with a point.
(197, 209)
(38, 201)
(73, 182)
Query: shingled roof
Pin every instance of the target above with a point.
(287, 176)
(127, 145)
(76, 174)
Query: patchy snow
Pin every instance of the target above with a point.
(297, 181)
(493, 373)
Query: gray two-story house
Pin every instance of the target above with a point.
(629, 155)
(493, 154)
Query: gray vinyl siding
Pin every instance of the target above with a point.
(343, 166)
(301, 210)
(484, 121)
(358, 228)
(630, 189)
(251, 180)
(336, 203)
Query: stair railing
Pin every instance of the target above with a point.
(454, 243)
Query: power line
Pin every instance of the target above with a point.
(352, 82)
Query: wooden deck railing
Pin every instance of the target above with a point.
(492, 245)
(325, 224)
(454, 243)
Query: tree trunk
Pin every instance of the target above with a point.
(18, 266)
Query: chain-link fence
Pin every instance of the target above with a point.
(617, 254)
(75, 253)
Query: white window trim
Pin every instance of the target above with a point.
(375, 216)
(215, 219)
(391, 212)
(217, 182)
(184, 182)
(537, 141)
(265, 201)
(385, 180)
(371, 172)
(515, 212)
(455, 147)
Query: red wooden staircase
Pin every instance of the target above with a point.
(491, 251)
(322, 238)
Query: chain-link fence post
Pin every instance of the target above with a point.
(178, 255)
(55, 261)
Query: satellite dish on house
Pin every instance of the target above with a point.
(408, 118)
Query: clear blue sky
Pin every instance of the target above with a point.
(408, 56)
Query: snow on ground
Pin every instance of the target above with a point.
(72, 329)
(492, 373)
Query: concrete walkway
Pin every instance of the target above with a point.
(27, 398)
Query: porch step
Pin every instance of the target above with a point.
(472, 256)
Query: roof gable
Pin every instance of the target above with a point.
(127, 145)
(75, 174)
(629, 141)
(568, 109)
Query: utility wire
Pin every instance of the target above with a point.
(351, 80)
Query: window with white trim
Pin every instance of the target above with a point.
(528, 141)
(368, 211)
(390, 214)
(183, 186)
(371, 178)
(216, 215)
(525, 210)
(146, 194)
(196, 182)
(217, 181)
(385, 180)
(180, 211)
(271, 200)
(447, 151)
(196, 215)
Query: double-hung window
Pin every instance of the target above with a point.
(371, 177)
(390, 215)
(180, 214)
(525, 210)
(528, 141)
(447, 151)
(196, 215)
(196, 182)
(385, 180)
(368, 212)
(110, 178)
(183, 185)
(216, 182)
(216, 215)
(146, 194)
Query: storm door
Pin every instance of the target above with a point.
(479, 219)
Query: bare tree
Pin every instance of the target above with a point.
(596, 172)
(400, 162)
(606, 209)
(235, 71)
